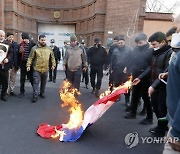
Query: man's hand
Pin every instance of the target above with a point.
(5, 61)
(163, 75)
(53, 68)
(175, 145)
(150, 91)
(125, 70)
(85, 69)
(28, 69)
(136, 81)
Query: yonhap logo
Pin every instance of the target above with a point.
(132, 139)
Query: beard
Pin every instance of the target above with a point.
(43, 44)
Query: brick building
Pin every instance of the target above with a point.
(90, 18)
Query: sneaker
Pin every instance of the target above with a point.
(146, 121)
(13, 94)
(4, 98)
(130, 116)
(153, 129)
(21, 95)
(50, 80)
(42, 95)
(34, 99)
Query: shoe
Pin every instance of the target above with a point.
(97, 93)
(50, 80)
(42, 95)
(128, 109)
(34, 99)
(152, 130)
(4, 98)
(159, 133)
(142, 113)
(13, 94)
(146, 121)
(21, 95)
(93, 91)
(54, 80)
(130, 116)
(87, 87)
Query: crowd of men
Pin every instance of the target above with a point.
(154, 64)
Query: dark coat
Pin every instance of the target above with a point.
(9, 56)
(97, 56)
(159, 63)
(16, 55)
(56, 52)
(140, 60)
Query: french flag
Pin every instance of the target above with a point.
(91, 115)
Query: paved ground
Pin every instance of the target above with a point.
(19, 119)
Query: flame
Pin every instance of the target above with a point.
(68, 96)
(127, 85)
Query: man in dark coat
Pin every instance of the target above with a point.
(5, 65)
(57, 55)
(159, 63)
(97, 57)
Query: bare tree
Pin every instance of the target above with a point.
(159, 6)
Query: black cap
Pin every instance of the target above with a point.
(52, 41)
(121, 37)
(25, 35)
(9, 33)
(96, 40)
(116, 38)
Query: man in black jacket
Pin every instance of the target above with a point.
(141, 59)
(97, 57)
(157, 92)
(4, 67)
(25, 49)
(119, 65)
(14, 63)
(57, 55)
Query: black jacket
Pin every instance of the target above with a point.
(16, 55)
(111, 50)
(159, 63)
(97, 56)
(56, 52)
(119, 58)
(9, 56)
(140, 60)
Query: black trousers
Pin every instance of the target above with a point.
(138, 91)
(158, 100)
(23, 74)
(96, 71)
(74, 77)
(86, 77)
(52, 73)
(4, 76)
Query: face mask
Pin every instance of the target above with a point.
(156, 48)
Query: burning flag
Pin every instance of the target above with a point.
(78, 122)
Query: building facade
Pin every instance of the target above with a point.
(87, 18)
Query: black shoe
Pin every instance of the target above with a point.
(97, 93)
(42, 95)
(142, 113)
(128, 109)
(130, 116)
(152, 130)
(54, 81)
(34, 99)
(87, 87)
(50, 80)
(4, 98)
(13, 94)
(159, 133)
(146, 121)
(21, 95)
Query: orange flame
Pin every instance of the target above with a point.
(127, 85)
(68, 96)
